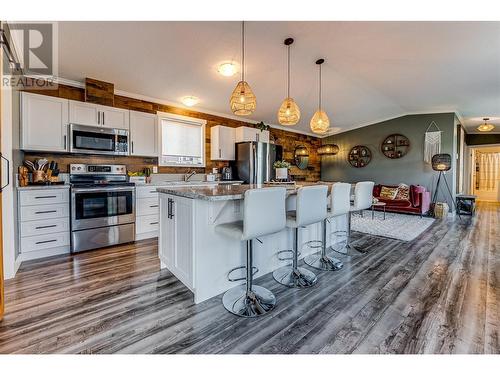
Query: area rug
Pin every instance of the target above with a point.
(399, 226)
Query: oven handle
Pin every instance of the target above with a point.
(100, 190)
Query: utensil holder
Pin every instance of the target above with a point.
(38, 176)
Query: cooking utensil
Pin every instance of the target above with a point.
(30, 164)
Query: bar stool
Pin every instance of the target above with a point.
(263, 213)
(339, 205)
(363, 198)
(311, 208)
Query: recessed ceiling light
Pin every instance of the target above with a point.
(190, 101)
(485, 127)
(227, 69)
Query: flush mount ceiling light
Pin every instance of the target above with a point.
(227, 69)
(330, 149)
(190, 101)
(289, 112)
(320, 122)
(243, 101)
(486, 127)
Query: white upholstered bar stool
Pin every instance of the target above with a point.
(311, 208)
(363, 199)
(340, 205)
(263, 214)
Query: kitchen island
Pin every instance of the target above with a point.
(201, 258)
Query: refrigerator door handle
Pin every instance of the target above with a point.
(254, 164)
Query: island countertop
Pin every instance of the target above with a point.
(228, 192)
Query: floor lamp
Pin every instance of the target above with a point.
(442, 163)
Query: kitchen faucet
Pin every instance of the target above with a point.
(188, 175)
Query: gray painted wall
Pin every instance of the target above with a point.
(409, 169)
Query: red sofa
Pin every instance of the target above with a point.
(419, 202)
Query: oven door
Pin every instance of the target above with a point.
(98, 140)
(102, 207)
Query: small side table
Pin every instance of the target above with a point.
(378, 204)
(466, 204)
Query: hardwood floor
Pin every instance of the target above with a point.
(437, 294)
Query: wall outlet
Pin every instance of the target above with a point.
(155, 169)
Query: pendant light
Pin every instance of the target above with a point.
(243, 101)
(486, 127)
(320, 122)
(289, 112)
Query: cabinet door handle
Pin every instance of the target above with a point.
(132, 146)
(153, 223)
(45, 212)
(46, 226)
(39, 242)
(47, 196)
(155, 205)
(220, 153)
(98, 117)
(103, 122)
(64, 143)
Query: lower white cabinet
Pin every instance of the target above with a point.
(44, 222)
(176, 237)
(146, 212)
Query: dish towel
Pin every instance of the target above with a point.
(432, 145)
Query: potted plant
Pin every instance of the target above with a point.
(261, 126)
(282, 168)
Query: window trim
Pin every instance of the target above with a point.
(195, 121)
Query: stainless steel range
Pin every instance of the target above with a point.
(102, 206)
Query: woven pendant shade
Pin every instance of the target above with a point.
(243, 101)
(441, 162)
(320, 122)
(330, 149)
(289, 112)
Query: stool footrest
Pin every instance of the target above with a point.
(314, 244)
(254, 271)
(286, 251)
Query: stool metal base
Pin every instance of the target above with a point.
(257, 302)
(298, 278)
(323, 262)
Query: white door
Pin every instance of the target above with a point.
(114, 117)
(143, 134)
(44, 122)
(222, 139)
(183, 218)
(84, 113)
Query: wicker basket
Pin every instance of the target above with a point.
(441, 210)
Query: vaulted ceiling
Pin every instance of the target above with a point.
(373, 70)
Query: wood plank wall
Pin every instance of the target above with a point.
(288, 140)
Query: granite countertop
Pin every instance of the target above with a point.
(227, 192)
(43, 187)
(194, 183)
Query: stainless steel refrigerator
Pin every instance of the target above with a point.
(254, 161)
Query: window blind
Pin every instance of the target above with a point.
(180, 138)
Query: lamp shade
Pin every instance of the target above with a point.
(441, 162)
(289, 112)
(330, 149)
(243, 101)
(320, 122)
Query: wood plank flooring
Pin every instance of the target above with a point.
(437, 294)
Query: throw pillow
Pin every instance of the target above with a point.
(403, 192)
(388, 193)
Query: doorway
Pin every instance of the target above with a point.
(485, 179)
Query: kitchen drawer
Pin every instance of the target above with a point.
(148, 223)
(39, 227)
(147, 206)
(45, 241)
(146, 192)
(40, 197)
(42, 212)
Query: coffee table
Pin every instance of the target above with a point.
(378, 204)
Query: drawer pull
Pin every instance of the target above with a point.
(153, 191)
(46, 226)
(153, 206)
(45, 212)
(47, 196)
(40, 242)
(154, 223)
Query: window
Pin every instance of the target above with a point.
(182, 141)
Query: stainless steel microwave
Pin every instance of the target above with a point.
(84, 139)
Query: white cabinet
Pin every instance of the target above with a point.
(176, 237)
(245, 134)
(222, 139)
(146, 212)
(44, 122)
(44, 227)
(143, 134)
(98, 115)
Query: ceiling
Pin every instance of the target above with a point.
(373, 70)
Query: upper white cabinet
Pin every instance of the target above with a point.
(245, 134)
(98, 115)
(222, 140)
(44, 122)
(143, 134)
